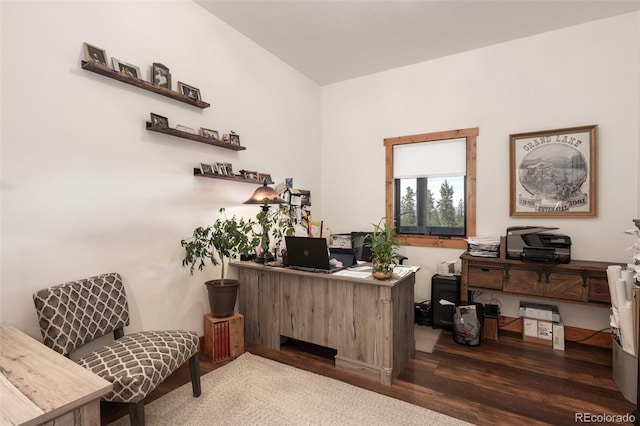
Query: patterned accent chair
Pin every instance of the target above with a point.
(75, 313)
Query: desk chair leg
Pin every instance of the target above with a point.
(136, 414)
(194, 369)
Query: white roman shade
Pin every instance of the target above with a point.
(430, 159)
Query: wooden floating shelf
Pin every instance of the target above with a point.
(108, 72)
(235, 178)
(198, 138)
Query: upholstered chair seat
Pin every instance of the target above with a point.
(75, 313)
(138, 362)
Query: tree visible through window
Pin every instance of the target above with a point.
(430, 192)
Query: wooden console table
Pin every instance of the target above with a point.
(579, 281)
(38, 384)
(368, 322)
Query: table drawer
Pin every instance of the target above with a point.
(484, 277)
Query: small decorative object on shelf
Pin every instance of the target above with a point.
(96, 61)
(95, 54)
(159, 121)
(223, 171)
(206, 169)
(208, 133)
(249, 175)
(234, 138)
(125, 68)
(161, 75)
(262, 177)
(185, 129)
(189, 91)
(161, 125)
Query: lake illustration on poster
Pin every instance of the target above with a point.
(554, 173)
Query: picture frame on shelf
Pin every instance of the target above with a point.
(125, 68)
(221, 169)
(554, 173)
(208, 133)
(185, 129)
(234, 138)
(159, 121)
(95, 54)
(206, 169)
(263, 176)
(160, 75)
(249, 174)
(189, 91)
(229, 169)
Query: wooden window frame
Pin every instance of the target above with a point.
(470, 135)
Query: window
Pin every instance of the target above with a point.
(430, 187)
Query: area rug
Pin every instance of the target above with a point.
(426, 338)
(252, 390)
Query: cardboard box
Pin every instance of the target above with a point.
(537, 331)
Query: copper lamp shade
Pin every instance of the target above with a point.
(265, 193)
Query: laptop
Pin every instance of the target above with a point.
(312, 255)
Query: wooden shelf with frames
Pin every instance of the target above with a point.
(108, 72)
(235, 178)
(194, 137)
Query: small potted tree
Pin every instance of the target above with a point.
(384, 249)
(226, 238)
(276, 224)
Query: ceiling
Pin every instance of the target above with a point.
(333, 40)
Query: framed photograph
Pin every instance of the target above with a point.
(263, 176)
(228, 168)
(206, 169)
(234, 139)
(251, 175)
(95, 54)
(160, 75)
(221, 169)
(554, 173)
(185, 129)
(125, 68)
(189, 91)
(208, 133)
(159, 121)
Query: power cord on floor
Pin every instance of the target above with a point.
(589, 337)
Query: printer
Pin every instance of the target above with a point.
(534, 244)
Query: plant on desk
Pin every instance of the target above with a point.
(226, 238)
(275, 224)
(384, 246)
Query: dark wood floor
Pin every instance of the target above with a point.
(497, 383)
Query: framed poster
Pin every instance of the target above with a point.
(554, 173)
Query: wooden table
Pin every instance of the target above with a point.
(38, 385)
(368, 322)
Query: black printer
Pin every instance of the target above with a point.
(533, 244)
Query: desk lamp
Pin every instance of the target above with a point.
(265, 196)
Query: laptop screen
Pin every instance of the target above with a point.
(309, 254)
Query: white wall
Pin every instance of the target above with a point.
(587, 74)
(86, 189)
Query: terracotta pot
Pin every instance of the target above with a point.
(222, 298)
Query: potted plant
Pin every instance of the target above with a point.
(275, 224)
(384, 244)
(226, 238)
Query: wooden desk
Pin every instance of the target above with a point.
(38, 384)
(368, 322)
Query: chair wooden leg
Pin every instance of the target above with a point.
(194, 369)
(136, 414)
